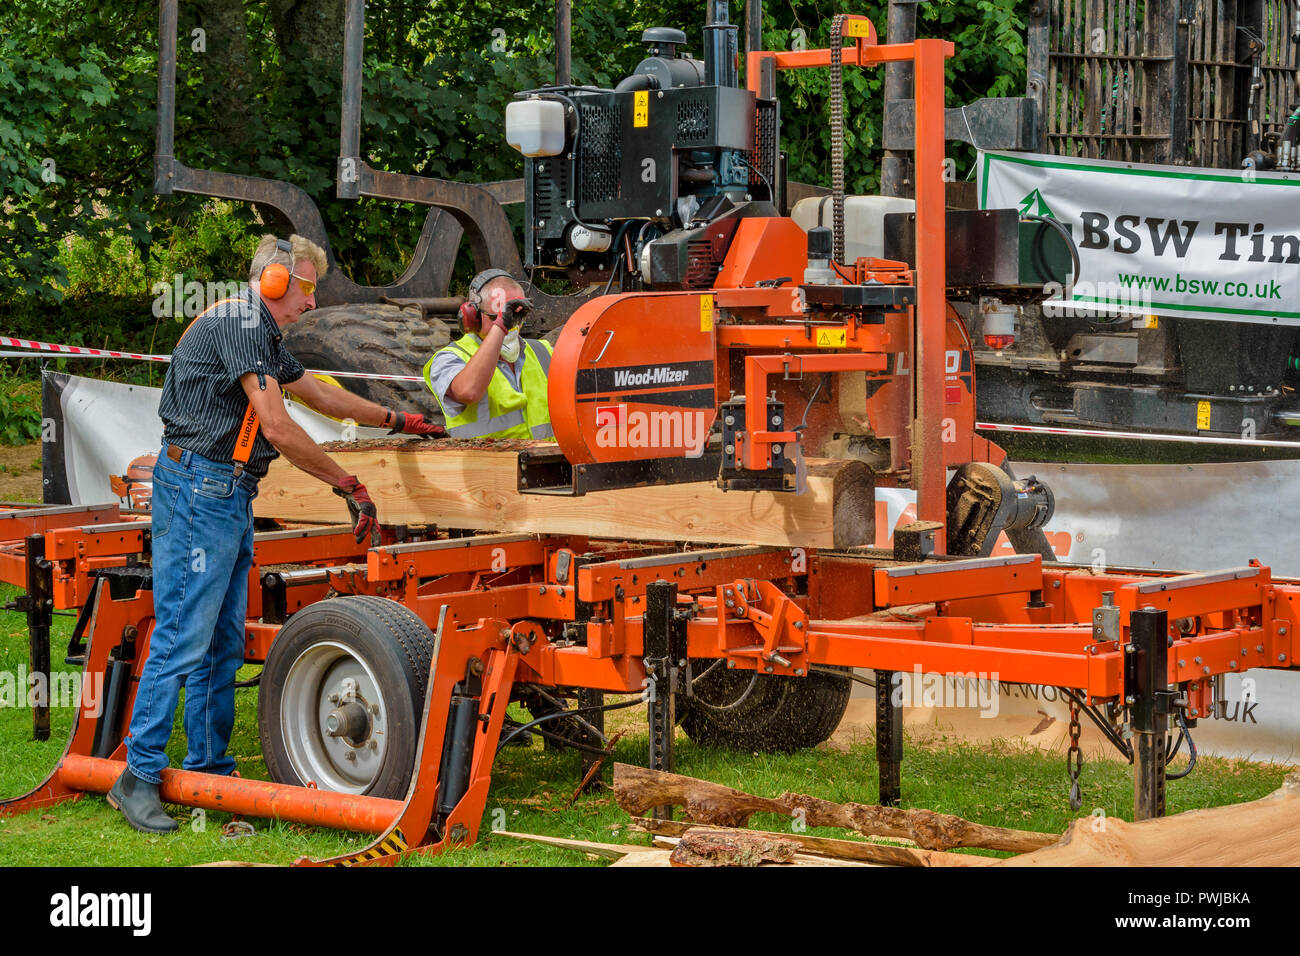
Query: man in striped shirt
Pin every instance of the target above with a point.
(224, 421)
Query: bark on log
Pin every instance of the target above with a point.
(638, 789)
(855, 850)
(929, 830)
(705, 847)
(459, 484)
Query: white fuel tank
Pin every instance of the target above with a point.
(864, 221)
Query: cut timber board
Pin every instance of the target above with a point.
(458, 485)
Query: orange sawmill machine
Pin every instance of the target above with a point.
(388, 670)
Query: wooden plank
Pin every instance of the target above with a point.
(610, 851)
(473, 485)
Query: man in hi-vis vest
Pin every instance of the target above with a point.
(491, 382)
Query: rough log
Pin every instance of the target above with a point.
(855, 850)
(457, 484)
(706, 847)
(927, 829)
(637, 789)
(1259, 833)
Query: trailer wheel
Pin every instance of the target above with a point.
(372, 337)
(780, 713)
(342, 696)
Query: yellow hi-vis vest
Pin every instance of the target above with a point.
(503, 412)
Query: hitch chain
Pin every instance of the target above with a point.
(1074, 758)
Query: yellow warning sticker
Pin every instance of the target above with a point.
(1203, 415)
(832, 338)
(641, 108)
(857, 28)
(706, 313)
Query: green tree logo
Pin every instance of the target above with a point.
(1035, 205)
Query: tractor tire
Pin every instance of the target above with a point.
(781, 714)
(364, 661)
(365, 337)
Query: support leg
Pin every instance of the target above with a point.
(1148, 693)
(40, 614)
(661, 669)
(889, 740)
(588, 697)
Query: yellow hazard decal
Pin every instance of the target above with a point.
(706, 313)
(832, 338)
(1203, 415)
(391, 845)
(857, 28)
(641, 108)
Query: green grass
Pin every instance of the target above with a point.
(999, 784)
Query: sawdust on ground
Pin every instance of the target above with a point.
(19, 480)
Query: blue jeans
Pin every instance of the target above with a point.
(202, 552)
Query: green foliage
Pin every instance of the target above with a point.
(258, 93)
(20, 411)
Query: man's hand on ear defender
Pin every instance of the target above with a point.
(515, 311)
(413, 423)
(362, 509)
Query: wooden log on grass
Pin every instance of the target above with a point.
(853, 850)
(473, 485)
(637, 789)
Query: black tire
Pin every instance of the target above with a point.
(385, 649)
(781, 714)
(383, 339)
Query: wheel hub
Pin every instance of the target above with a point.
(351, 721)
(334, 719)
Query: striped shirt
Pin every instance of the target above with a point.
(203, 403)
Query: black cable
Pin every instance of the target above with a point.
(1106, 729)
(723, 708)
(558, 704)
(771, 193)
(1191, 750)
(566, 713)
(838, 673)
(848, 278)
(1069, 239)
(812, 401)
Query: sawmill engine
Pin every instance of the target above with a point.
(642, 186)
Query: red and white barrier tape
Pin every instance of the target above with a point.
(77, 351)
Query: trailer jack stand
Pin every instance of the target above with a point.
(1149, 695)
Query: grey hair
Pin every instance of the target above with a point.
(269, 253)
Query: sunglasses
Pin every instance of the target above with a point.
(307, 286)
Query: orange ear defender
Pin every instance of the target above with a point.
(469, 311)
(274, 280)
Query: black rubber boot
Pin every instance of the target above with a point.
(139, 803)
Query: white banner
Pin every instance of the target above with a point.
(1170, 240)
(101, 427)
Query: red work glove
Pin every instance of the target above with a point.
(412, 423)
(364, 516)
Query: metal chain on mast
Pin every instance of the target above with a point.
(1074, 757)
(837, 136)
